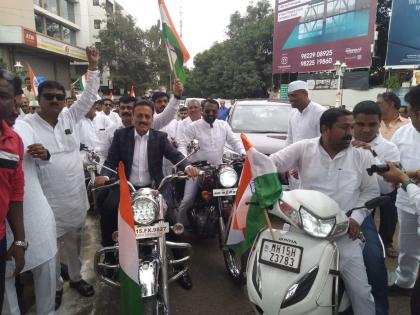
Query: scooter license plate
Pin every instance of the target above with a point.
(152, 231)
(281, 255)
(224, 192)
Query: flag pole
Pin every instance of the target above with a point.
(270, 227)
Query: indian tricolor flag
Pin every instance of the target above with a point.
(132, 93)
(177, 53)
(131, 299)
(33, 80)
(80, 83)
(259, 188)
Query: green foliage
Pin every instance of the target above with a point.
(133, 56)
(394, 82)
(240, 66)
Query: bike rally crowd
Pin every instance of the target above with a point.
(44, 196)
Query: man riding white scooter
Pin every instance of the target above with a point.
(329, 164)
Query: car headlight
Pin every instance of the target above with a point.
(315, 226)
(145, 210)
(227, 177)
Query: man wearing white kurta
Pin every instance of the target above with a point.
(39, 230)
(330, 165)
(107, 111)
(212, 134)
(303, 120)
(63, 180)
(407, 139)
(172, 130)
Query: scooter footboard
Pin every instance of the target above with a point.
(277, 284)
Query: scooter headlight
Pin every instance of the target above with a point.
(315, 226)
(145, 210)
(227, 177)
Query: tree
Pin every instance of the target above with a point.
(240, 66)
(133, 57)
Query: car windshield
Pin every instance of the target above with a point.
(260, 118)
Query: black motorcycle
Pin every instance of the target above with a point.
(211, 213)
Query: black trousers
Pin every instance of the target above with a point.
(389, 219)
(108, 200)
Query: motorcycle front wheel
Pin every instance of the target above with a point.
(152, 306)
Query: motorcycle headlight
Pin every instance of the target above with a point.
(145, 210)
(228, 177)
(315, 226)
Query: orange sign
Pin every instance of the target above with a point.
(29, 38)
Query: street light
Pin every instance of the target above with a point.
(340, 68)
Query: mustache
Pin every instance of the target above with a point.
(347, 138)
(126, 114)
(54, 103)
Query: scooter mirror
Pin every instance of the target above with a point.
(193, 146)
(377, 202)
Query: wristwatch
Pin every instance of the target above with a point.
(23, 244)
(406, 183)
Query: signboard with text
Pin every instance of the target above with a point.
(404, 34)
(311, 35)
(50, 44)
(29, 37)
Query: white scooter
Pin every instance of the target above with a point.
(293, 269)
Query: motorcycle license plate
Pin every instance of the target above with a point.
(281, 255)
(224, 192)
(157, 230)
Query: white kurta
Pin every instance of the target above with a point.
(115, 118)
(407, 139)
(343, 178)
(172, 130)
(211, 140)
(386, 151)
(63, 180)
(305, 124)
(38, 218)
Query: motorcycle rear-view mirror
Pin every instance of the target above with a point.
(377, 202)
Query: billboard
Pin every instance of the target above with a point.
(404, 34)
(311, 35)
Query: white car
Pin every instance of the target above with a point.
(265, 122)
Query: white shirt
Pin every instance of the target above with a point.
(115, 118)
(386, 151)
(413, 192)
(38, 217)
(63, 180)
(140, 175)
(305, 124)
(162, 119)
(183, 125)
(407, 139)
(211, 140)
(343, 178)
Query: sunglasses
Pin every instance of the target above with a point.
(51, 96)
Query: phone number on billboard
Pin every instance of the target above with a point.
(308, 58)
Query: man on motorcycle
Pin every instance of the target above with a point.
(367, 117)
(330, 164)
(141, 149)
(212, 135)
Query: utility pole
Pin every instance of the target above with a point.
(180, 18)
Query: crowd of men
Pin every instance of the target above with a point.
(43, 198)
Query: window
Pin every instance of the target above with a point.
(38, 2)
(67, 10)
(69, 35)
(97, 24)
(51, 5)
(96, 2)
(53, 29)
(39, 23)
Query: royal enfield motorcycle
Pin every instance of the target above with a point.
(156, 267)
(293, 268)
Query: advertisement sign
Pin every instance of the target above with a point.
(311, 35)
(29, 37)
(404, 35)
(46, 43)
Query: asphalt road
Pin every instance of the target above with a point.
(213, 292)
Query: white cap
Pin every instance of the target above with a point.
(298, 85)
(33, 104)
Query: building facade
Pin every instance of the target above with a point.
(51, 36)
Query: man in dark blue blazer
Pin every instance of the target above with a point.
(141, 149)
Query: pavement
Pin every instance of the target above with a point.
(213, 292)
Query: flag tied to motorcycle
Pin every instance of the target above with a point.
(177, 53)
(259, 188)
(131, 301)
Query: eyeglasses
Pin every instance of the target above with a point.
(107, 104)
(50, 96)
